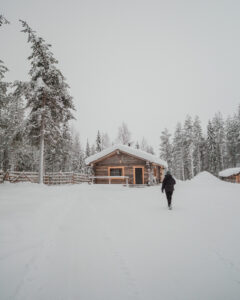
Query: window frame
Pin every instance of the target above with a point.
(116, 167)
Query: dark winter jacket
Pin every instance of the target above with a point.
(168, 183)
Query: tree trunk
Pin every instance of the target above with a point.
(41, 161)
(42, 133)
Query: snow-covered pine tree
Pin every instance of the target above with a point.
(78, 164)
(144, 144)
(105, 141)
(178, 151)
(98, 142)
(188, 148)
(124, 135)
(87, 151)
(212, 149)
(150, 149)
(218, 127)
(4, 99)
(66, 148)
(232, 141)
(166, 148)
(47, 97)
(4, 117)
(58, 154)
(238, 135)
(197, 142)
(93, 150)
(3, 20)
(14, 128)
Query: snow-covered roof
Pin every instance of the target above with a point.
(229, 172)
(126, 149)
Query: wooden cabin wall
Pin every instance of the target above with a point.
(121, 159)
(238, 178)
(161, 169)
(232, 178)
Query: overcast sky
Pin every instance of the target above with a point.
(147, 63)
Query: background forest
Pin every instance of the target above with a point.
(36, 133)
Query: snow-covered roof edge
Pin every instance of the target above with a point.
(229, 172)
(135, 152)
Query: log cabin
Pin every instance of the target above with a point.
(230, 175)
(121, 162)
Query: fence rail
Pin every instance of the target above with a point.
(110, 178)
(1, 176)
(54, 178)
(49, 178)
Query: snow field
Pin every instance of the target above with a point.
(112, 242)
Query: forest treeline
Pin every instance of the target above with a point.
(36, 135)
(190, 149)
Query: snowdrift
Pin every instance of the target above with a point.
(205, 178)
(112, 242)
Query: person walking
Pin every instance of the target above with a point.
(168, 185)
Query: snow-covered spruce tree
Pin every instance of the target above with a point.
(188, 148)
(66, 148)
(124, 135)
(144, 144)
(150, 149)
(47, 97)
(232, 141)
(93, 150)
(78, 164)
(98, 142)
(218, 127)
(238, 136)
(105, 141)
(58, 154)
(87, 151)
(212, 149)
(4, 99)
(14, 133)
(166, 148)
(197, 142)
(178, 151)
(3, 20)
(4, 118)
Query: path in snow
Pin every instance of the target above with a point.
(110, 242)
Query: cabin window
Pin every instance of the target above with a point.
(116, 172)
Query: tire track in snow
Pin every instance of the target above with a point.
(133, 289)
(228, 262)
(32, 266)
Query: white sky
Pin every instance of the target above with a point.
(147, 63)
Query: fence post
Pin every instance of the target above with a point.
(73, 178)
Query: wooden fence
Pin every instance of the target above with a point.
(1, 176)
(65, 178)
(49, 178)
(53, 178)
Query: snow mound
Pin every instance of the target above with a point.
(205, 178)
(229, 172)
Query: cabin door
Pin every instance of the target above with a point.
(138, 175)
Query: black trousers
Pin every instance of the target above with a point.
(169, 197)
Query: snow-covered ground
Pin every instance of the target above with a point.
(108, 242)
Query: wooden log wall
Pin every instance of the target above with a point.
(119, 159)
